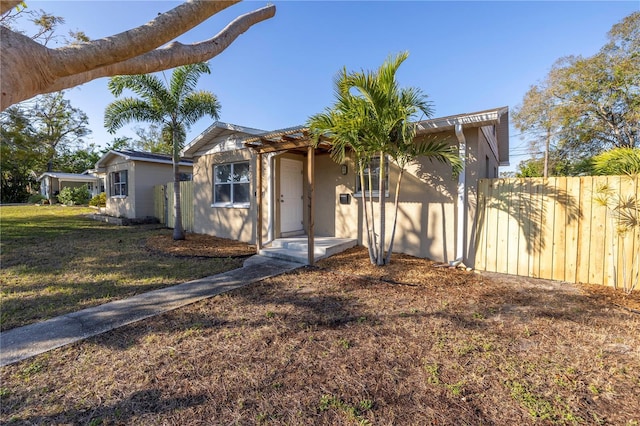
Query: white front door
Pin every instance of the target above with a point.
(290, 196)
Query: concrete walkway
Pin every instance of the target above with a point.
(24, 342)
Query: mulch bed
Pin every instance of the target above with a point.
(198, 245)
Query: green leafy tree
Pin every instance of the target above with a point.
(58, 125)
(151, 140)
(174, 106)
(79, 160)
(45, 134)
(120, 143)
(20, 155)
(588, 105)
(374, 117)
(530, 168)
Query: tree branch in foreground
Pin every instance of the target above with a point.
(30, 69)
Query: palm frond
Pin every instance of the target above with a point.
(438, 151)
(184, 79)
(126, 110)
(197, 104)
(146, 86)
(618, 161)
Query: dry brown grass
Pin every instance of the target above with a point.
(54, 260)
(347, 343)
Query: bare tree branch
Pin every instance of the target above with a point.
(137, 41)
(174, 54)
(7, 5)
(30, 69)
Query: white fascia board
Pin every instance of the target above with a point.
(214, 131)
(477, 119)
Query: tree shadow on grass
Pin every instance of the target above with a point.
(135, 406)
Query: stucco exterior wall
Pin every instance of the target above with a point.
(427, 213)
(142, 176)
(148, 175)
(226, 222)
(482, 163)
(117, 205)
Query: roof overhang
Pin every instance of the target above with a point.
(107, 157)
(498, 117)
(217, 132)
(474, 119)
(68, 177)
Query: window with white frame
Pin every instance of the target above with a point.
(373, 170)
(119, 183)
(231, 184)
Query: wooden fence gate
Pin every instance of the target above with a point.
(163, 204)
(557, 228)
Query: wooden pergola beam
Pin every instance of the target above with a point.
(311, 195)
(275, 146)
(259, 203)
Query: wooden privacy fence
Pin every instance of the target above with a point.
(557, 228)
(163, 204)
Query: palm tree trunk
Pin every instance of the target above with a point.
(381, 200)
(178, 231)
(374, 241)
(387, 259)
(370, 244)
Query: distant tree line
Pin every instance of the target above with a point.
(47, 134)
(584, 106)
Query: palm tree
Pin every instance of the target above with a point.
(373, 116)
(624, 209)
(343, 125)
(175, 107)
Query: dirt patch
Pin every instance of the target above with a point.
(198, 245)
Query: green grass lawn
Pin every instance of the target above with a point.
(54, 260)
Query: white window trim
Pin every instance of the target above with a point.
(227, 204)
(374, 193)
(112, 185)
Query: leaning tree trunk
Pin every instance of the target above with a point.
(372, 219)
(370, 240)
(178, 231)
(382, 201)
(387, 259)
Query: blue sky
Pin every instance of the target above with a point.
(467, 56)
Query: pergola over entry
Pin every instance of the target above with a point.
(294, 139)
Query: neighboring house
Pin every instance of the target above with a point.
(130, 177)
(257, 188)
(51, 183)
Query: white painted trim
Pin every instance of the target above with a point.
(232, 206)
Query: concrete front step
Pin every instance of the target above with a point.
(295, 249)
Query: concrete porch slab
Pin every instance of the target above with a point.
(295, 249)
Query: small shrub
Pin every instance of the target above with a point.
(99, 200)
(73, 196)
(36, 199)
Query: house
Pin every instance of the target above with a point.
(130, 178)
(51, 183)
(260, 187)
